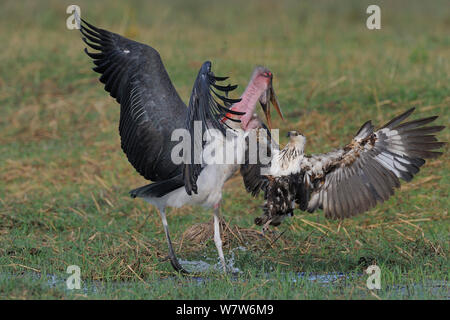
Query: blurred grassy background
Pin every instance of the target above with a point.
(64, 180)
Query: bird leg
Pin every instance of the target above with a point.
(173, 258)
(266, 226)
(217, 238)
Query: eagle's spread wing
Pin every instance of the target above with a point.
(352, 180)
(205, 110)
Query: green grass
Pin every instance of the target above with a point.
(64, 181)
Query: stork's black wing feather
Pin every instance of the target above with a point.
(207, 112)
(150, 107)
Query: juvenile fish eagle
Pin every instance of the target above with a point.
(346, 181)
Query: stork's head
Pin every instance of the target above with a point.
(297, 140)
(259, 89)
(262, 78)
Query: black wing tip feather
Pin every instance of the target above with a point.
(190, 176)
(91, 29)
(89, 25)
(98, 38)
(205, 107)
(95, 36)
(397, 122)
(157, 189)
(227, 88)
(398, 119)
(367, 127)
(86, 27)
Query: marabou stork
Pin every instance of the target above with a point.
(150, 111)
(347, 181)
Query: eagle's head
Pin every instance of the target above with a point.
(297, 140)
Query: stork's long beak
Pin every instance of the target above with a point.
(266, 99)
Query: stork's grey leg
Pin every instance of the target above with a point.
(217, 238)
(173, 258)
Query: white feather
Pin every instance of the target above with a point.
(388, 163)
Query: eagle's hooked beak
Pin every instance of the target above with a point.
(270, 97)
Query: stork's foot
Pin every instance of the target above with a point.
(173, 258)
(176, 264)
(224, 265)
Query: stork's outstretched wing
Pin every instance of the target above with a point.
(150, 107)
(352, 180)
(207, 112)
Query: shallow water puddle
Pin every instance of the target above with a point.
(205, 273)
(198, 266)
